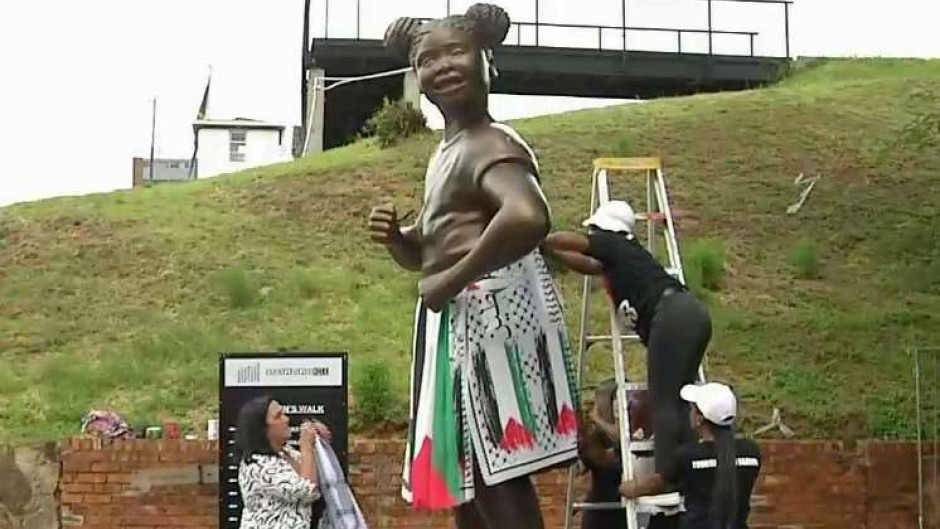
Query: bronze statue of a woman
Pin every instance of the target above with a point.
(492, 399)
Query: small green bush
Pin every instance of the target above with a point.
(625, 146)
(239, 288)
(923, 131)
(705, 264)
(305, 284)
(376, 401)
(805, 260)
(395, 121)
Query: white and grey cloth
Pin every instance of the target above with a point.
(341, 508)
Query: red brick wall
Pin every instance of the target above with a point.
(140, 484)
(804, 485)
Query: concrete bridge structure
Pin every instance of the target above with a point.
(603, 66)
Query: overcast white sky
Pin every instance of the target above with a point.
(79, 76)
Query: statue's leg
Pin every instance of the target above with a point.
(510, 504)
(468, 516)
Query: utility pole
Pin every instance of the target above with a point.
(153, 134)
(623, 20)
(304, 66)
(709, 27)
(536, 22)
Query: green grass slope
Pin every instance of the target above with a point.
(124, 300)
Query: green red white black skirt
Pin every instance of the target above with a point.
(492, 382)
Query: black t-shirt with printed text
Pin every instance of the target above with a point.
(694, 475)
(631, 274)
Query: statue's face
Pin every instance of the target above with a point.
(451, 70)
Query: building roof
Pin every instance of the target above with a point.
(237, 123)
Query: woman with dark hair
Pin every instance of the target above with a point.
(716, 473)
(492, 394)
(278, 484)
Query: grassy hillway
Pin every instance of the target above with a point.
(123, 300)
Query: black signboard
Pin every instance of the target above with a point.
(308, 385)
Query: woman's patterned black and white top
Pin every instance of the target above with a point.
(275, 496)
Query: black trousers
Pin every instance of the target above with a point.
(679, 332)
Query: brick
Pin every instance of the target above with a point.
(125, 458)
(118, 477)
(107, 488)
(70, 498)
(141, 521)
(74, 464)
(105, 467)
(171, 456)
(96, 498)
(76, 488)
(90, 478)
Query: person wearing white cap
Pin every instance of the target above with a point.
(674, 326)
(716, 473)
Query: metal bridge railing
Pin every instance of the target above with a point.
(623, 30)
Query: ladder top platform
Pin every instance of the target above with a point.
(628, 164)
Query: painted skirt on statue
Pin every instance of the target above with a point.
(492, 382)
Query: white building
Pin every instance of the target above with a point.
(226, 146)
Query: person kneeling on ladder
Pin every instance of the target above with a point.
(716, 473)
(673, 325)
(600, 454)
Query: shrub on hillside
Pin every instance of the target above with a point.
(626, 146)
(239, 288)
(923, 131)
(305, 284)
(376, 401)
(805, 259)
(705, 265)
(395, 121)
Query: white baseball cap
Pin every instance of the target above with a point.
(715, 401)
(615, 215)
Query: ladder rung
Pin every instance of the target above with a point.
(592, 339)
(667, 500)
(598, 506)
(655, 216)
(631, 386)
(643, 503)
(636, 164)
(641, 446)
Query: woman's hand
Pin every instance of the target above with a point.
(311, 430)
(636, 488)
(629, 489)
(322, 430)
(308, 434)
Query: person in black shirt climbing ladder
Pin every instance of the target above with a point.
(673, 325)
(716, 473)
